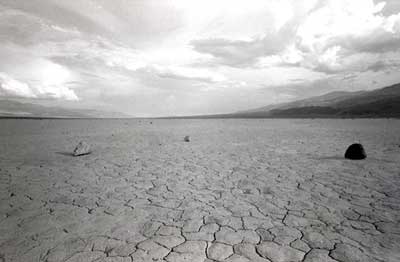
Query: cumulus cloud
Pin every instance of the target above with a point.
(333, 34)
(353, 24)
(10, 87)
(26, 75)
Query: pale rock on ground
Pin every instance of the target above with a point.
(81, 149)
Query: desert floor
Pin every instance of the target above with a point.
(240, 190)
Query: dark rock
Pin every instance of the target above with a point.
(186, 139)
(82, 148)
(355, 152)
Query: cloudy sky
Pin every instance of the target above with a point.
(176, 57)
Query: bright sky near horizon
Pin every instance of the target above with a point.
(180, 57)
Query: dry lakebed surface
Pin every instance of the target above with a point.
(240, 190)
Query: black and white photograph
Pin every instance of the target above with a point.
(199, 130)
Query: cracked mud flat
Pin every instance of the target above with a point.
(241, 190)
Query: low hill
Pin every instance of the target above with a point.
(11, 108)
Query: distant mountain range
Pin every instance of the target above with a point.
(384, 102)
(11, 108)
